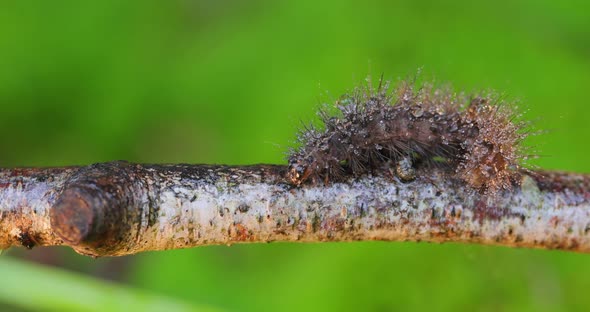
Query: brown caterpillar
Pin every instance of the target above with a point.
(478, 139)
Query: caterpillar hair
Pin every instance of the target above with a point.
(477, 139)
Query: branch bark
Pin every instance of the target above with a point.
(119, 208)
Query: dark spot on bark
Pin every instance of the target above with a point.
(510, 231)
(260, 218)
(522, 219)
(26, 239)
(243, 208)
(362, 210)
(438, 193)
(153, 211)
(518, 238)
(482, 211)
(193, 198)
(554, 221)
(315, 222)
(453, 214)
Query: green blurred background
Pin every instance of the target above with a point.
(227, 82)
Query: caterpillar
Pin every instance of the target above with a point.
(373, 130)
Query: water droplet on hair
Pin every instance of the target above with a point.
(418, 112)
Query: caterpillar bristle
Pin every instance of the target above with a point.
(375, 131)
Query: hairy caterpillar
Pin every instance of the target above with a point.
(478, 138)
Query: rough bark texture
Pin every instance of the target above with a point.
(118, 208)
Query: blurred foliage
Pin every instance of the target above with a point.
(53, 289)
(228, 81)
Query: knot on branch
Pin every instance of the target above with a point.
(97, 208)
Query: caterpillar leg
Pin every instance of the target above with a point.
(404, 169)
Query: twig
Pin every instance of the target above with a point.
(118, 208)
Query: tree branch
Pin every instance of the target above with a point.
(118, 208)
